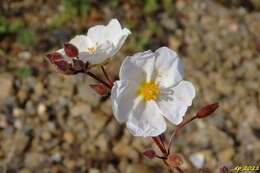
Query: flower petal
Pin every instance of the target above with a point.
(116, 34)
(174, 102)
(102, 53)
(124, 97)
(146, 120)
(169, 69)
(82, 42)
(96, 34)
(139, 67)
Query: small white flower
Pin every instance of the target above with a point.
(100, 43)
(151, 87)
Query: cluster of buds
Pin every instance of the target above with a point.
(72, 66)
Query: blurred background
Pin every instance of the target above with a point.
(54, 123)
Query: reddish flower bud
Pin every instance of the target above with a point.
(70, 50)
(207, 110)
(62, 65)
(174, 160)
(54, 57)
(150, 154)
(99, 88)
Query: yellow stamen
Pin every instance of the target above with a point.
(92, 50)
(149, 91)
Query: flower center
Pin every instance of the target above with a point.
(149, 91)
(92, 50)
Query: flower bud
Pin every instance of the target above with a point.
(62, 65)
(99, 88)
(174, 160)
(207, 110)
(54, 57)
(70, 50)
(150, 154)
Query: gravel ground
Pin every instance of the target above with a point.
(55, 123)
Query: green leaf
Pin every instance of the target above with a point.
(24, 72)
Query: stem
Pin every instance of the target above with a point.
(177, 129)
(105, 73)
(162, 141)
(179, 169)
(159, 144)
(98, 79)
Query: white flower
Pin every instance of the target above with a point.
(151, 87)
(101, 42)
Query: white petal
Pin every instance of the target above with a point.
(146, 120)
(119, 40)
(115, 34)
(124, 97)
(139, 67)
(96, 34)
(102, 53)
(174, 102)
(169, 69)
(130, 71)
(82, 42)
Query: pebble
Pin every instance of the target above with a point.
(68, 137)
(197, 159)
(6, 86)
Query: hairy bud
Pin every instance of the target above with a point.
(54, 57)
(150, 154)
(99, 88)
(61, 64)
(174, 160)
(70, 50)
(207, 110)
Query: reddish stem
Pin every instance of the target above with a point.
(105, 74)
(177, 129)
(98, 79)
(162, 141)
(179, 169)
(160, 145)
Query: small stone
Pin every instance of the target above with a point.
(24, 55)
(35, 160)
(46, 135)
(22, 139)
(17, 112)
(6, 86)
(68, 137)
(56, 157)
(226, 155)
(41, 109)
(140, 167)
(80, 109)
(18, 124)
(24, 170)
(94, 170)
(3, 122)
(174, 43)
(125, 150)
(197, 160)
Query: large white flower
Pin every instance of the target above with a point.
(100, 43)
(151, 87)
